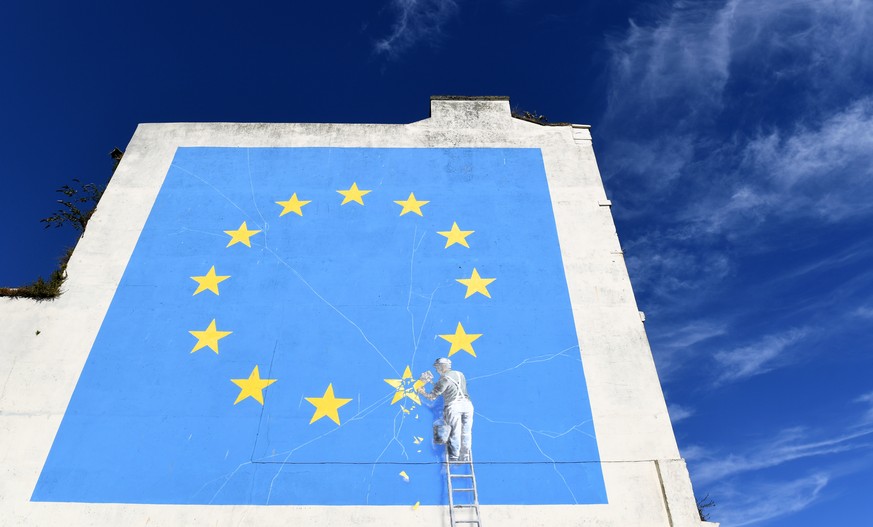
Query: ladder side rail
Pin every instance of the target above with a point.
(451, 490)
(475, 492)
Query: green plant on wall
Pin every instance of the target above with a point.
(77, 206)
(533, 117)
(702, 504)
(42, 289)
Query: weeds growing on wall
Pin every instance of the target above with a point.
(702, 504)
(42, 289)
(76, 208)
(533, 117)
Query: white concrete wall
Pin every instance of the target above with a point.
(646, 480)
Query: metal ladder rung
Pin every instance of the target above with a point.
(474, 507)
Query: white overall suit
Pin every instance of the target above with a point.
(457, 412)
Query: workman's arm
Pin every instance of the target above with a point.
(438, 389)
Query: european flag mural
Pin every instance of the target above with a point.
(266, 340)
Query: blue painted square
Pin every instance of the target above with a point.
(347, 296)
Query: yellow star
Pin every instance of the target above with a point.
(353, 194)
(209, 337)
(411, 205)
(461, 341)
(406, 387)
(252, 387)
(476, 284)
(210, 281)
(241, 235)
(327, 405)
(456, 235)
(293, 205)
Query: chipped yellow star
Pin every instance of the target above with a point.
(456, 235)
(327, 405)
(252, 387)
(241, 235)
(209, 281)
(476, 284)
(353, 194)
(292, 205)
(461, 340)
(411, 205)
(406, 387)
(209, 337)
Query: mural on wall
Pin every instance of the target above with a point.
(261, 345)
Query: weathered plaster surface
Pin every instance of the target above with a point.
(646, 480)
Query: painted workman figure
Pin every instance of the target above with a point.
(457, 407)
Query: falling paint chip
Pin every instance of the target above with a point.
(417, 440)
(415, 507)
(404, 476)
(405, 410)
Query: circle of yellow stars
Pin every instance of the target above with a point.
(328, 405)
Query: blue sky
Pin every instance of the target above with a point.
(735, 140)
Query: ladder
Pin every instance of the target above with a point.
(463, 481)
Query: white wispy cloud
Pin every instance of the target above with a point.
(866, 399)
(788, 445)
(756, 481)
(679, 412)
(692, 50)
(693, 453)
(691, 132)
(864, 312)
(693, 333)
(759, 502)
(664, 158)
(851, 254)
(730, 126)
(684, 57)
(416, 21)
(675, 346)
(758, 357)
(810, 153)
(669, 265)
(670, 84)
(820, 170)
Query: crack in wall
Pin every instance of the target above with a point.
(416, 339)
